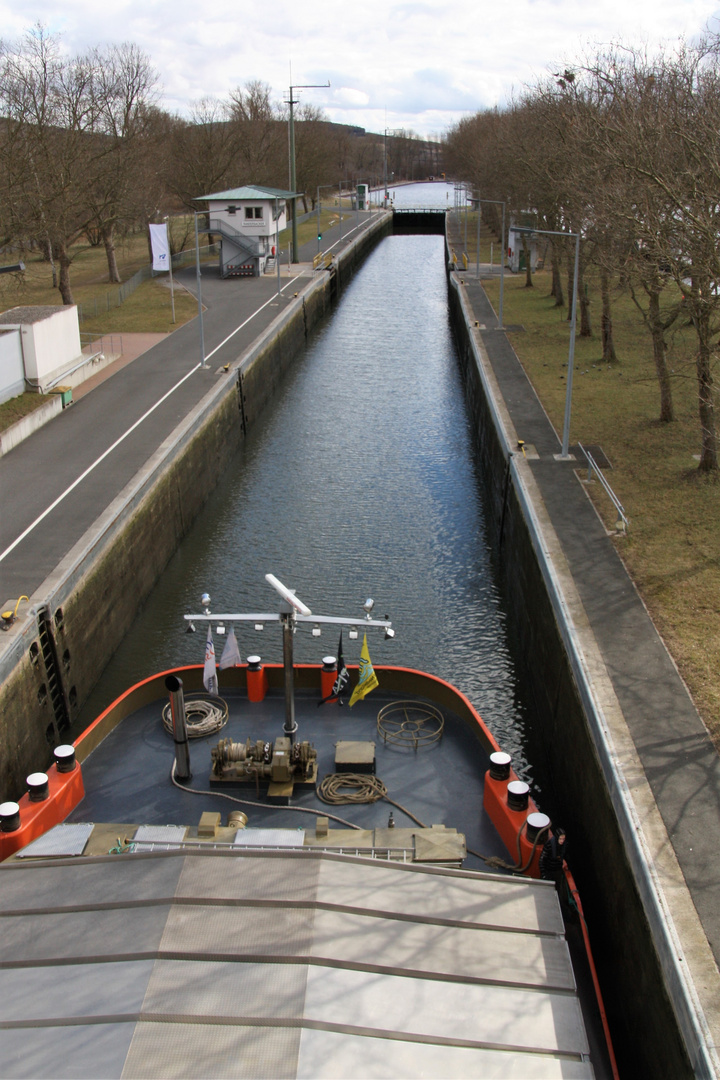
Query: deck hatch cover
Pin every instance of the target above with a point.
(60, 841)
(270, 838)
(159, 837)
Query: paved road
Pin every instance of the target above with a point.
(87, 454)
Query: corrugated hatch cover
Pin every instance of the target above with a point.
(281, 964)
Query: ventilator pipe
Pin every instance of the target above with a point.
(257, 682)
(328, 675)
(179, 727)
(500, 763)
(9, 817)
(518, 793)
(38, 786)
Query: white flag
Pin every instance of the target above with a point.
(210, 680)
(230, 654)
(160, 247)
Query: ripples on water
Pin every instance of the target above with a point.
(360, 482)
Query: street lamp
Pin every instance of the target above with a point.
(292, 102)
(199, 288)
(495, 202)
(573, 322)
(320, 187)
(166, 219)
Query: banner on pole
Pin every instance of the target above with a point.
(160, 247)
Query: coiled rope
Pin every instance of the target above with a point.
(338, 789)
(203, 716)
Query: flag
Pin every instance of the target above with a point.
(367, 679)
(343, 677)
(210, 681)
(160, 247)
(230, 654)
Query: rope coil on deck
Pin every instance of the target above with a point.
(204, 715)
(338, 789)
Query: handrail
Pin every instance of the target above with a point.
(71, 371)
(592, 467)
(249, 244)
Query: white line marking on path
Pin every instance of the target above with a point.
(150, 411)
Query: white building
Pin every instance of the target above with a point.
(516, 248)
(247, 220)
(38, 347)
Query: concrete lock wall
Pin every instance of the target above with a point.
(94, 595)
(563, 747)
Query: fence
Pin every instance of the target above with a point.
(116, 297)
(622, 521)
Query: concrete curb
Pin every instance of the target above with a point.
(19, 431)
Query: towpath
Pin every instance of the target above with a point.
(679, 760)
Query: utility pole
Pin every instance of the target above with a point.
(385, 187)
(292, 102)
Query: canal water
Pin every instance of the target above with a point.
(360, 480)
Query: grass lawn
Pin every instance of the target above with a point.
(16, 408)
(147, 309)
(672, 549)
(307, 230)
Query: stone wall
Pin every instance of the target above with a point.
(100, 586)
(562, 747)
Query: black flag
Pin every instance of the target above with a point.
(343, 677)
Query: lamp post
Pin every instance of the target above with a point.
(292, 102)
(277, 243)
(320, 188)
(573, 322)
(496, 202)
(172, 288)
(385, 187)
(199, 289)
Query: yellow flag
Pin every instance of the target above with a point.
(367, 679)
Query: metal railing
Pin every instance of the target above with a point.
(594, 468)
(250, 244)
(111, 344)
(116, 297)
(388, 854)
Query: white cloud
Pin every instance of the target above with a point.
(423, 64)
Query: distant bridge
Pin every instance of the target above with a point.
(419, 219)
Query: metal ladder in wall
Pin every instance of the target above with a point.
(51, 662)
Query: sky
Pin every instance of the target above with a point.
(419, 65)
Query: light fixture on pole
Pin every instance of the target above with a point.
(277, 244)
(498, 202)
(199, 290)
(573, 323)
(292, 102)
(385, 187)
(172, 288)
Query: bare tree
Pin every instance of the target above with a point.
(124, 88)
(259, 133)
(49, 117)
(204, 152)
(660, 128)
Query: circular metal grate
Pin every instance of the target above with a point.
(410, 723)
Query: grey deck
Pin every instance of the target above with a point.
(260, 964)
(127, 778)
